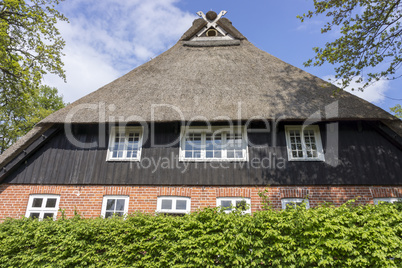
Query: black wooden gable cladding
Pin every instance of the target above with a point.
(366, 158)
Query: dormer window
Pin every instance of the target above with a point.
(213, 143)
(125, 144)
(304, 143)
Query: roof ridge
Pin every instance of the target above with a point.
(211, 19)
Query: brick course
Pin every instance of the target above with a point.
(87, 199)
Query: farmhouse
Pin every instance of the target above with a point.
(213, 121)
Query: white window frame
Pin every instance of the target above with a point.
(107, 197)
(233, 200)
(286, 201)
(174, 202)
(317, 136)
(42, 210)
(386, 199)
(113, 131)
(203, 130)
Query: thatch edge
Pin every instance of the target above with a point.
(211, 43)
(22, 143)
(394, 125)
(198, 24)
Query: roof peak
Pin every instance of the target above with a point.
(212, 27)
(211, 16)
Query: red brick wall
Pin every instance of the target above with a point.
(87, 200)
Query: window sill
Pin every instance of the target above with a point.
(172, 212)
(123, 160)
(306, 160)
(213, 160)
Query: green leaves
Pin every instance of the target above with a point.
(30, 44)
(397, 110)
(346, 236)
(21, 111)
(369, 45)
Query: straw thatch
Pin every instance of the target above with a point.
(214, 81)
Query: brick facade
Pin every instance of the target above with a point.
(87, 200)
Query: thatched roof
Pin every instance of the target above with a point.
(211, 80)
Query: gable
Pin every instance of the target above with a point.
(366, 158)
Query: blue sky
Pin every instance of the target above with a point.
(106, 39)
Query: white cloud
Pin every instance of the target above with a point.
(310, 25)
(374, 93)
(108, 38)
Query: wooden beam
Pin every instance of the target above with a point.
(13, 164)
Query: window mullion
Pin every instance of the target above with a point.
(303, 143)
(243, 134)
(125, 148)
(203, 145)
(318, 145)
(224, 145)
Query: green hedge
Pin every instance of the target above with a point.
(346, 236)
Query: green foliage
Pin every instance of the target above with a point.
(22, 111)
(397, 110)
(30, 44)
(369, 43)
(398, 205)
(346, 236)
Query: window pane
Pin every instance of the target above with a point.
(226, 204)
(234, 144)
(209, 142)
(108, 214)
(289, 204)
(238, 154)
(192, 145)
(209, 154)
(110, 204)
(241, 204)
(119, 145)
(213, 145)
(120, 214)
(311, 147)
(293, 204)
(37, 202)
(51, 202)
(48, 215)
(181, 204)
(167, 204)
(120, 204)
(297, 203)
(132, 146)
(295, 144)
(34, 215)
